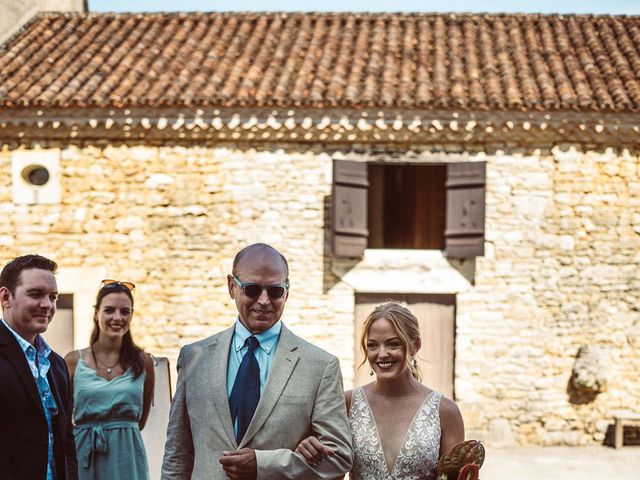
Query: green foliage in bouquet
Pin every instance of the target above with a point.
(462, 462)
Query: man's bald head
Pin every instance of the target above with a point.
(259, 249)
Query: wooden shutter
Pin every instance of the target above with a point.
(464, 231)
(349, 208)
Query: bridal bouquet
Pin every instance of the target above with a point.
(463, 462)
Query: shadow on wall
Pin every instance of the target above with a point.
(329, 278)
(590, 374)
(465, 267)
(579, 396)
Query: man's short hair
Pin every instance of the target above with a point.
(262, 247)
(10, 275)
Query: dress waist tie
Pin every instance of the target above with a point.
(97, 439)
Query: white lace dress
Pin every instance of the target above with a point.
(418, 454)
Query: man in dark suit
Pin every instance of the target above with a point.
(36, 435)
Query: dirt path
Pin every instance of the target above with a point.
(561, 463)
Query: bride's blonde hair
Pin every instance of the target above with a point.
(406, 326)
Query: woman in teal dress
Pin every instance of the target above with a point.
(112, 387)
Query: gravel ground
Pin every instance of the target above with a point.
(561, 463)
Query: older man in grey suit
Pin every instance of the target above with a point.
(248, 395)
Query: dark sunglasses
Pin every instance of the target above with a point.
(253, 290)
(112, 283)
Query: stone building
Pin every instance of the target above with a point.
(482, 168)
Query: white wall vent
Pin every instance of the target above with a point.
(36, 177)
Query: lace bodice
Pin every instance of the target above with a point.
(418, 454)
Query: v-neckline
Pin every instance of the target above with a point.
(406, 434)
(95, 373)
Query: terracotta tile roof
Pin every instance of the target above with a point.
(424, 61)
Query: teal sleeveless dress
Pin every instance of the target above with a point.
(106, 415)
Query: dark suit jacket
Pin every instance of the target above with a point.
(23, 425)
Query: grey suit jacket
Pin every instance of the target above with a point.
(303, 396)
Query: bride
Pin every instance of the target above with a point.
(399, 426)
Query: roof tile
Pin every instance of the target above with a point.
(513, 62)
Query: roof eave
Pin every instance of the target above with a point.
(334, 125)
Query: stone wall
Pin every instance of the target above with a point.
(561, 272)
(561, 269)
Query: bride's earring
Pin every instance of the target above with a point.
(414, 362)
(371, 372)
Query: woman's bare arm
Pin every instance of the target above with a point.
(451, 425)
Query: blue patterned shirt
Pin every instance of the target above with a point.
(38, 360)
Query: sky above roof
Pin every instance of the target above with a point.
(613, 7)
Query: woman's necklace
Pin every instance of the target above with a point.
(108, 368)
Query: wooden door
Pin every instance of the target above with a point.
(436, 316)
(59, 334)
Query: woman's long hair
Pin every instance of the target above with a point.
(130, 354)
(406, 326)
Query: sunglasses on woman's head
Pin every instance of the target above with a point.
(112, 283)
(253, 290)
